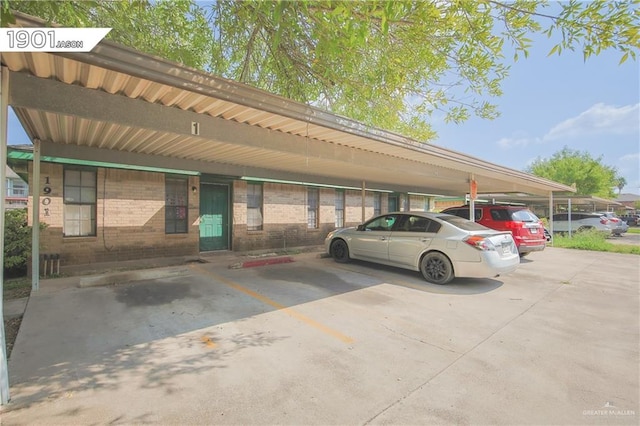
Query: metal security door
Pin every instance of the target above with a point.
(214, 217)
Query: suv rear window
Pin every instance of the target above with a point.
(524, 216)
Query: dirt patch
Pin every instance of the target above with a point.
(11, 328)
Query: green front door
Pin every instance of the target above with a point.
(214, 217)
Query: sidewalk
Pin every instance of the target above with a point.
(14, 308)
(108, 273)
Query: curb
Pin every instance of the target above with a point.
(261, 262)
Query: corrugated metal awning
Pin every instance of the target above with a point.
(152, 111)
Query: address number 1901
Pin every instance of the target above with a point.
(39, 39)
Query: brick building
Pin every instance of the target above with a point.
(99, 212)
(134, 156)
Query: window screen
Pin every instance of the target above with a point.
(254, 207)
(176, 205)
(79, 203)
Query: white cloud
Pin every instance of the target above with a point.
(631, 158)
(519, 139)
(514, 142)
(600, 119)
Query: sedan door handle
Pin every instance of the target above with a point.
(425, 240)
(383, 238)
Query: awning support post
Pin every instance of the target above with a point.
(35, 220)
(551, 216)
(4, 105)
(364, 199)
(472, 198)
(569, 216)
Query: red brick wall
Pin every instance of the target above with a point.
(129, 218)
(285, 216)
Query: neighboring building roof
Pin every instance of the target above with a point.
(11, 174)
(130, 107)
(626, 198)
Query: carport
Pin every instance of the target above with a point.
(565, 202)
(119, 105)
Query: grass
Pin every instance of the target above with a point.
(633, 231)
(594, 241)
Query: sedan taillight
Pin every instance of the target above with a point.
(480, 243)
(603, 220)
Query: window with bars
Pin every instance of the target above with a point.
(176, 205)
(339, 209)
(254, 207)
(313, 207)
(79, 203)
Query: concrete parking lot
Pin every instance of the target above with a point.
(315, 342)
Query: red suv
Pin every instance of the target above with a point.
(526, 228)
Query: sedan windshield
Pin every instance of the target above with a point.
(462, 223)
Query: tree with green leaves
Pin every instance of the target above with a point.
(387, 63)
(572, 167)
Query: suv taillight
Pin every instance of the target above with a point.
(514, 224)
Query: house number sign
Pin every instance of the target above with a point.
(46, 200)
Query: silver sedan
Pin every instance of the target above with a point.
(440, 246)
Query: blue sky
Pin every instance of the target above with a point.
(554, 101)
(548, 103)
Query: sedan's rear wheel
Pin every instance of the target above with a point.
(340, 251)
(436, 268)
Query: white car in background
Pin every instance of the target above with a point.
(618, 226)
(581, 221)
(440, 246)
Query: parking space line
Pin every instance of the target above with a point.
(289, 311)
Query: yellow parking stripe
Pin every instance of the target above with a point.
(291, 312)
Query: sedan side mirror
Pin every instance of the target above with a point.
(360, 228)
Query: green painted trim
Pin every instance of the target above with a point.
(20, 155)
(317, 185)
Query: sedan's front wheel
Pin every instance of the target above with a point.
(340, 251)
(436, 268)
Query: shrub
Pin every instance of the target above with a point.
(17, 242)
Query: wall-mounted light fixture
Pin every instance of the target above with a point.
(194, 189)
